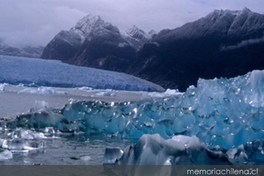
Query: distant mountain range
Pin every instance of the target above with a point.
(224, 43)
(26, 51)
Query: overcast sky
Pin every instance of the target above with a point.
(36, 22)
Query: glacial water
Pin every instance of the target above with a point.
(50, 147)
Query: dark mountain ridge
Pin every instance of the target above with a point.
(92, 42)
(224, 43)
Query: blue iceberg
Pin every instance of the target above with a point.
(224, 112)
(226, 116)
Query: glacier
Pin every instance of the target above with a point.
(39, 72)
(220, 118)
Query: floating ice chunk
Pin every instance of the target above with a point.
(172, 92)
(167, 93)
(105, 94)
(251, 153)
(41, 91)
(5, 154)
(85, 88)
(21, 145)
(26, 134)
(2, 87)
(154, 150)
(112, 155)
(40, 120)
(85, 158)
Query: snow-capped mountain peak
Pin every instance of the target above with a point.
(92, 23)
(137, 33)
(235, 13)
(137, 37)
(87, 23)
(246, 10)
(151, 33)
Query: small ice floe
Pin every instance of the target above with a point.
(2, 87)
(21, 145)
(85, 158)
(106, 94)
(5, 154)
(155, 150)
(26, 134)
(84, 88)
(167, 93)
(42, 91)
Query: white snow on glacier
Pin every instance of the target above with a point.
(39, 72)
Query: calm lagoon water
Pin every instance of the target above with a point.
(57, 149)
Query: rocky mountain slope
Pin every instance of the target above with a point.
(95, 43)
(222, 44)
(137, 37)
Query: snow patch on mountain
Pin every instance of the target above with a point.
(137, 37)
(242, 44)
(217, 23)
(86, 27)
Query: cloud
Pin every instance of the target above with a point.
(30, 22)
(35, 23)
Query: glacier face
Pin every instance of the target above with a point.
(39, 72)
(220, 118)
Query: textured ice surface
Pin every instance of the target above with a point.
(154, 150)
(225, 115)
(224, 112)
(183, 150)
(39, 72)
